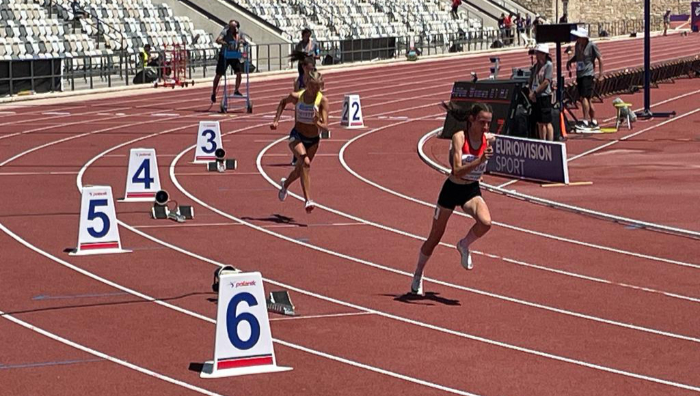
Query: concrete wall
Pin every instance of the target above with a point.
(605, 10)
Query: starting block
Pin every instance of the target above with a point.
(325, 134)
(243, 343)
(161, 211)
(222, 163)
(280, 302)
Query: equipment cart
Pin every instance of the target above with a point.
(226, 103)
(174, 67)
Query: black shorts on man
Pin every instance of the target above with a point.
(585, 86)
(224, 64)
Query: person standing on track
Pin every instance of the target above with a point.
(584, 57)
(311, 116)
(469, 153)
(541, 92)
(229, 37)
(667, 21)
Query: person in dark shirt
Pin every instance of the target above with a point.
(231, 38)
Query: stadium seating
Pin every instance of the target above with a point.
(333, 20)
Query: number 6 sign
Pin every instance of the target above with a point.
(243, 340)
(98, 232)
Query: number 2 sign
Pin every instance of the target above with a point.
(243, 340)
(98, 232)
(352, 112)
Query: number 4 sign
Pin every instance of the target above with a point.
(142, 179)
(98, 232)
(243, 340)
(352, 112)
(208, 140)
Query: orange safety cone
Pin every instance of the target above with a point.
(562, 124)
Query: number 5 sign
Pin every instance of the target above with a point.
(243, 340)
(98, 232)
(208, 140)
(352, 112)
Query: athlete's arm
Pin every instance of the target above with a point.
(322, 116)
(292, 98)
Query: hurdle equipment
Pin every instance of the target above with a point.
(142, 177)
(352, 112)
(161, 211)
(98, 232)
(222, 163)
(243, 343)
(208, 141)
(280, 302)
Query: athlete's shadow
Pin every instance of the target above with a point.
(277, 219)
(410, 298)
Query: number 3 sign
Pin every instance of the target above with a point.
(243, 340)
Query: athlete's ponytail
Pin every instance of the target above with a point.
(457, 116)
(462, 114)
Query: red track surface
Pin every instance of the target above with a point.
(554, 306)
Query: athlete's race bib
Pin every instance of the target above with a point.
(580, 65)
(475, 174)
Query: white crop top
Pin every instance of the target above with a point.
(305, 111)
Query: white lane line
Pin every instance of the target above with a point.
(508, 183)
(593, 150)
(55, 113)
(105, 356)
(513, 261)
(339, 315)
(213, 321)
(36, 173)
(237, 224)
(407, 274)
(559, 205)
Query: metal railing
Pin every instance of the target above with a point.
(120, 67)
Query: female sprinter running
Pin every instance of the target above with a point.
(306, 66)
(311, 116)
(469, 152)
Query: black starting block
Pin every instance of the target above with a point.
(281, 303)
(160, 210)
(325, 134)
(221, 164)
(228, 164)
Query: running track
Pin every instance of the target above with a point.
(558, 303)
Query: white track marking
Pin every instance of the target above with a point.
(593, 150)
(408, 274)
(326, 316)
(559, 205)
(102, 355)
(213, 321)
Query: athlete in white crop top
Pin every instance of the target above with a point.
(311, 116)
